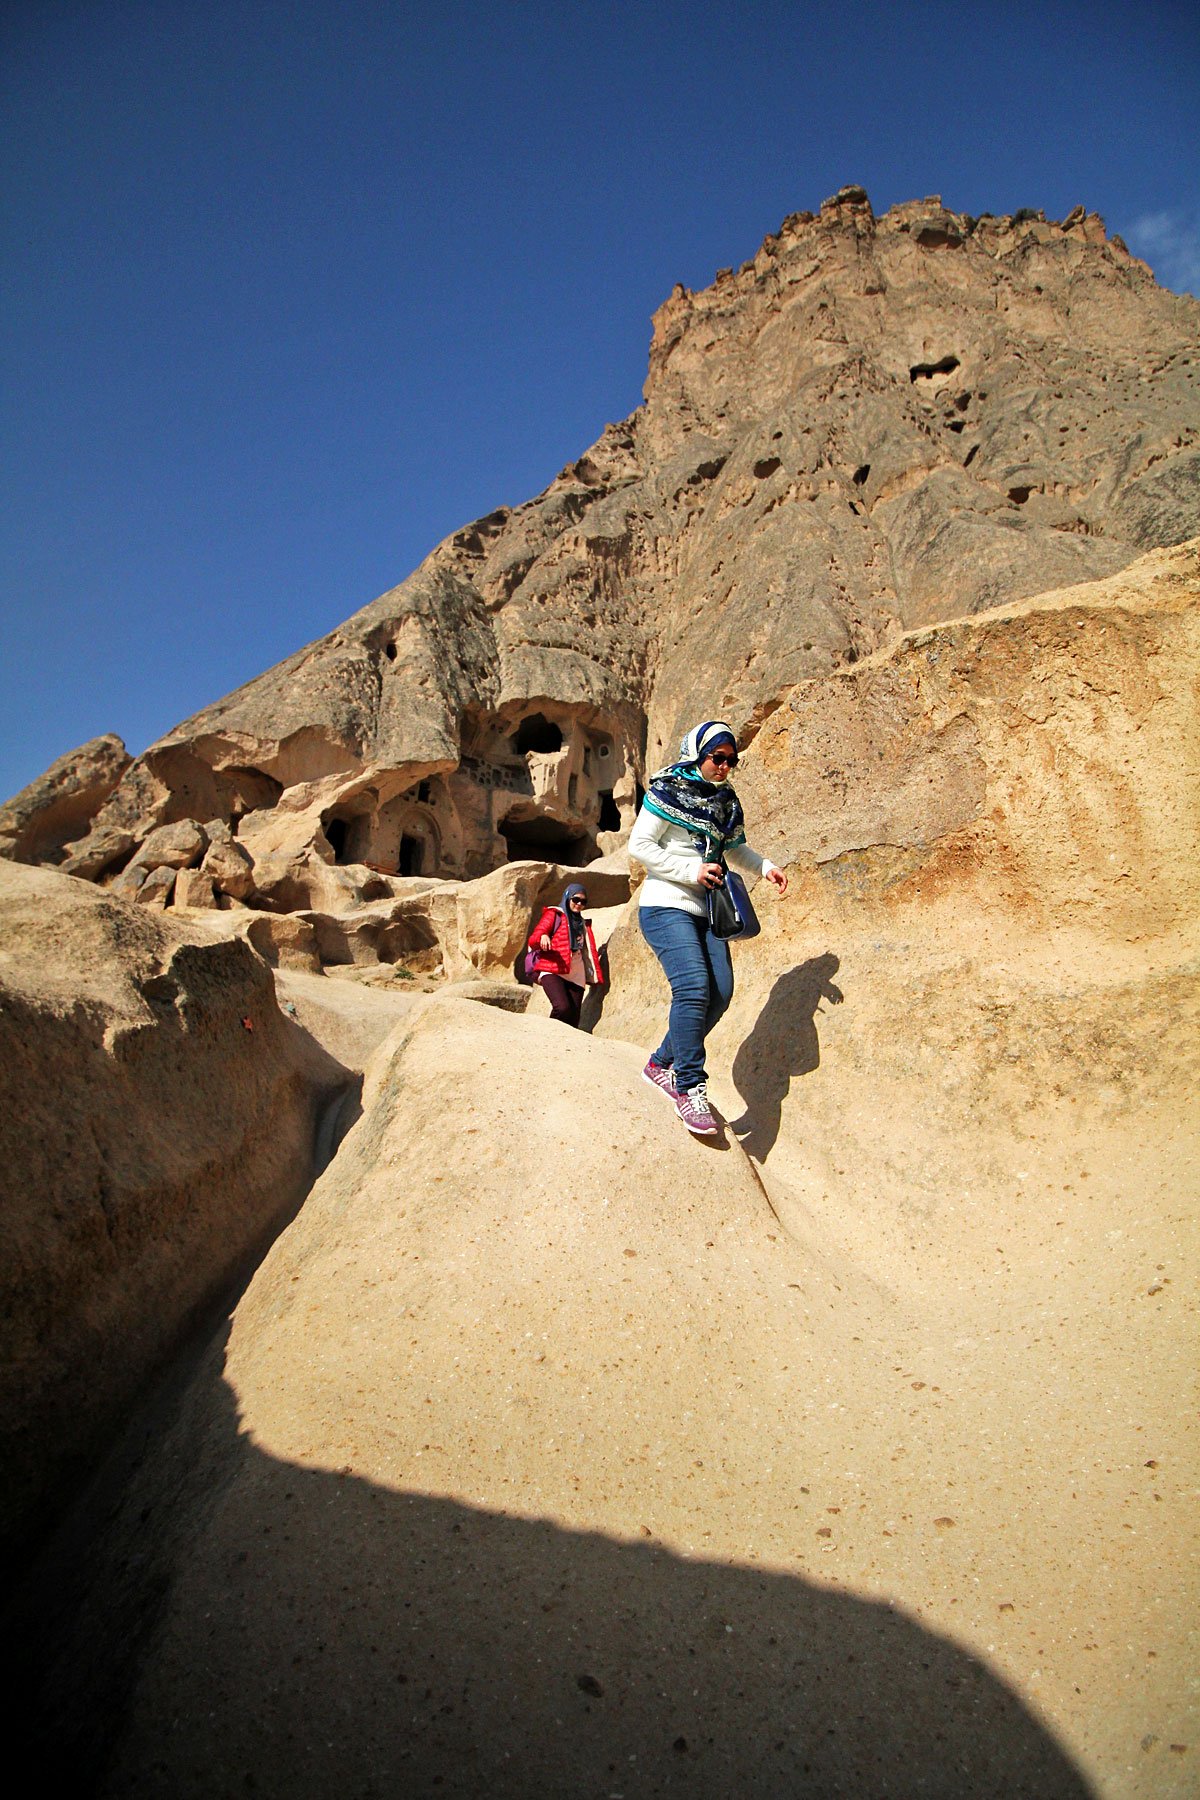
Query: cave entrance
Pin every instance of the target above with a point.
(412, 855)
(539, 734)
(336, 831)
(545, 840)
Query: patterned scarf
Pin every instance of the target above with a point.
(706, 809)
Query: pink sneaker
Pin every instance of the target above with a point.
(659, 1077)
(694, 1110)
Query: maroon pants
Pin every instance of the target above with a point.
(566, 998)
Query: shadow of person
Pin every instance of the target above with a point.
(783, 1044)
(250, 1625)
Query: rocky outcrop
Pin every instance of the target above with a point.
(61, 804)
(873, 425)
(160, 1122)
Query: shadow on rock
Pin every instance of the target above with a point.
(783, 1044)
(247, 1625)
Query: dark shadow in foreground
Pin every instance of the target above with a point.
(242, 1625)
(782, 1044)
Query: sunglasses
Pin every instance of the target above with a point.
(578, 899)
(723, 760)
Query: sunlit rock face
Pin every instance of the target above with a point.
(873, 425)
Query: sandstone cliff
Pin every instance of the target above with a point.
(874, 424)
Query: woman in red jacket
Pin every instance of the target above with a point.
(565, 956)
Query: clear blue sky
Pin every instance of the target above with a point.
(293, 289)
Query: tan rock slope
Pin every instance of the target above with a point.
(551, 1451)
(874, 424)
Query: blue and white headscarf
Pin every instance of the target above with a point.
(680, 794)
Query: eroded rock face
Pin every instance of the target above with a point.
(874, 424)
(159, 1123)
(61, 804)
(991, 831)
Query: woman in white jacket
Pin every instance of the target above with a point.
(690, 817)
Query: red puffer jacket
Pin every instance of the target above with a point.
(557, 959)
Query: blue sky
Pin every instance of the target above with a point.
(292, 288)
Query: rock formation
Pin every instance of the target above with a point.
(160, 1124)
(873, 425)
(548, 1448)
(61, 804)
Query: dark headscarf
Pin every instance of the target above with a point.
(574, 920)
(708, 809)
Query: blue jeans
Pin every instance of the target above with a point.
(700, 971)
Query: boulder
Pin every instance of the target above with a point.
(193, 889)
(230, 869)
(176, 846)
(92, 855)
(157, 887)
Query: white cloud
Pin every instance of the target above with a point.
(1170, 243)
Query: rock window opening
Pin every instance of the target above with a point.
(390, 652)
(573, 791)
(545, 840)
(335, 837)
(539, 734)
(423, 792)
(610, 814)
(927, 371)
(412, 855)
(587, 759)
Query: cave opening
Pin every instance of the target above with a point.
(412, 855)
(539, 734)
(945, 365)
(545, 840)
(610, 814)
(336, 832)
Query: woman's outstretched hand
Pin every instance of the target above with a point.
(778, 879)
